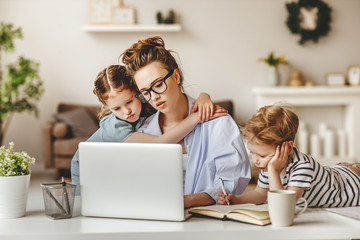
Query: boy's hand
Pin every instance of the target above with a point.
(280, 159)
(221, 198)
(204, 106)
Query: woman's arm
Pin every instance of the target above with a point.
(198, 199)
(218, 150)
(256, 196)
(177, 133)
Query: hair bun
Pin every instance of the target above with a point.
(155, 41)
(147, 51)
(142, 45)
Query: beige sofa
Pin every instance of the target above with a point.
(60, 143)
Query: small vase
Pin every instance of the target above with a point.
(273, 76)
(13, 196)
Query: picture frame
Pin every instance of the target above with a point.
(353, 75)
(335, 79)
(123, 15)
(101, 11)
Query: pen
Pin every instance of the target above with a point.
(224, 191)
(65, 196)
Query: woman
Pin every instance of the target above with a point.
(122, 114)
(213, 149)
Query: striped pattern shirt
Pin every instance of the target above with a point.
(335, 186)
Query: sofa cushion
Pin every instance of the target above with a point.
(59, 130)
(67, 147)
(79, 120)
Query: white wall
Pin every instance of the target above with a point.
(218, 48)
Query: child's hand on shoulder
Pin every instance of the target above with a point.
(206, 108)
(221, 198)
(219, 112)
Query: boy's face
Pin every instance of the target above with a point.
(124, 105)
(261, 154)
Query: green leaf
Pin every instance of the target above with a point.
(20, 84)
(7, 35)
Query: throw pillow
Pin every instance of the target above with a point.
(60, 130)
(79, 120)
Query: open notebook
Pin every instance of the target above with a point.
(249, 213)
(131, 180)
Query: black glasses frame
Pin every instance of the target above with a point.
(140, 95)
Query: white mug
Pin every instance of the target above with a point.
(282, 205)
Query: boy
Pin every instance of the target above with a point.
(269, 135)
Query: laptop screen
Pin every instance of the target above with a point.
(131, 180)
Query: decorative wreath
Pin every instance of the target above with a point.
(321, 24)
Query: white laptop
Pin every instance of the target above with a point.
(131, 180)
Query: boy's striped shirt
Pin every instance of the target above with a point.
(335, 186)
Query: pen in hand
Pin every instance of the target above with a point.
(224, 191)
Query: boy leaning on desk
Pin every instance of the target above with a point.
(269, 135)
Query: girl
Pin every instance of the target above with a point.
(269, 135)
(213, 149)
(122, 114)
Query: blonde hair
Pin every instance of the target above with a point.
(144, 52)
(112, 78)
(271, 125)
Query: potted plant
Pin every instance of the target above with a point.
(14, 181)
(273, 63)
(20, 85)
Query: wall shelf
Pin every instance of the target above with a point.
(133, 28)
(346, 97)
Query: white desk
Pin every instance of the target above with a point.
(313, 224)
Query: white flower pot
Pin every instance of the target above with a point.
(273, 76)
(13, 196)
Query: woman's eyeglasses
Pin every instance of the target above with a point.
(158, 87)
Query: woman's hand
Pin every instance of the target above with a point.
(222, 200)
(280, 159)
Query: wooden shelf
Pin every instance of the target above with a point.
(307, 91)
(133, 28)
